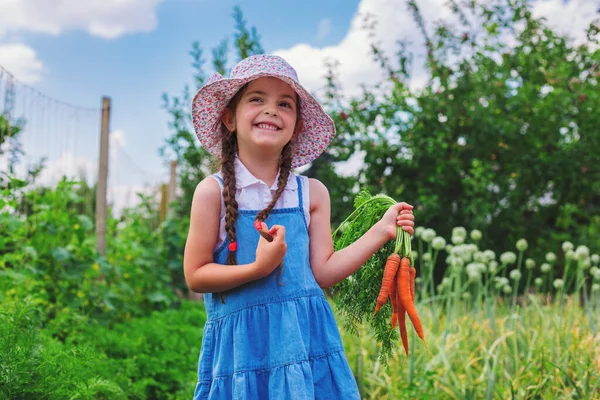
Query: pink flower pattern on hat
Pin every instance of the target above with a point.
(210, 102)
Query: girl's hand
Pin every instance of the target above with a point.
(269, 255)
(399, 214)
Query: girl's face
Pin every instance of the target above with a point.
(265, 116)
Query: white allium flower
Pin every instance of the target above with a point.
(476, 235)
(454, 260)
(440, 288)
(471, 267)
(472, 248)
(595, 258)
(515, 274)
(426, 257)
(593, 271)
(493, 267)
(570, 254)
(446, 281)
(448, 248)
(458, 251)
(466, 295)
(530, 263)
(522, 244)
(550, 257)
(500, 282)
(481, 267)
(538, 281)
(508, 257)
(457, 239)
(582, 253)
(428, 235)
(438, 243)
(596, 287)
(490, 255)
(419, 231)
(545, 267)
(566, 246)
(558, 283)
(474, 276)
(459, 231)
(418, 280)
(585, 264)
(507, 289)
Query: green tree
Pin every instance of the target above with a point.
(503, 136)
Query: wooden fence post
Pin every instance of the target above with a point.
(173, 182)
(101, 192)
(162, 214)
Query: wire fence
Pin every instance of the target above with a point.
(43, 139)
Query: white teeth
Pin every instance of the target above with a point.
(267, 126)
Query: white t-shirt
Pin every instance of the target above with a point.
(253, 194)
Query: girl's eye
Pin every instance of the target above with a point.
(284, 104)
(255, 99)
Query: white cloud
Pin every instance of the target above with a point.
(69, 165)
(395, 22)
(324, 28)
(116, 139)
(104, 18)
(21, 61)
(125, 196)
(569, 18)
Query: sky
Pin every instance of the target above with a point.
(135, 50)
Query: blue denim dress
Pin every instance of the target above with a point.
(273, 340)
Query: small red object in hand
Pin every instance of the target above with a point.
(257, 225)
(232, 246)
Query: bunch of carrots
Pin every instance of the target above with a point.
(398, 284)
(354, 296)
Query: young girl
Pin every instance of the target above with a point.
(270, 332)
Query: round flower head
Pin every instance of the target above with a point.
(522, 245)
(211, 100)
(438, 243)
(476, 235)
(550, 257)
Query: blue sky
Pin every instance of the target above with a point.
(135, 50)
(135, 69)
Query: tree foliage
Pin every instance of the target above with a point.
(502, 137)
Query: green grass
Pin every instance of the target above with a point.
(538, 352)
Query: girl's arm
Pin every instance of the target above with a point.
(202, 275)
(331, 267)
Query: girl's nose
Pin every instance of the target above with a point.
(269, 110)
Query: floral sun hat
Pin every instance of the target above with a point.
(210, 102)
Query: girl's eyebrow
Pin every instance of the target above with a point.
(261, 93)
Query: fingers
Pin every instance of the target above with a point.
(409, 229)
(404, 206)
(278, 231)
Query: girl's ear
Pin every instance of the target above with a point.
(228, 119)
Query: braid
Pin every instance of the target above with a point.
(285, 166)
(229, 189)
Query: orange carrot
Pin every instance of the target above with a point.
(394, 298)
(401, 317)
(406, 297)
(413, 274)
(391, 267)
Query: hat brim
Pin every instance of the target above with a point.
(211, 100)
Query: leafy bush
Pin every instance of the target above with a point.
(147, 358)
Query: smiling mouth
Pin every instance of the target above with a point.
(269, 127)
